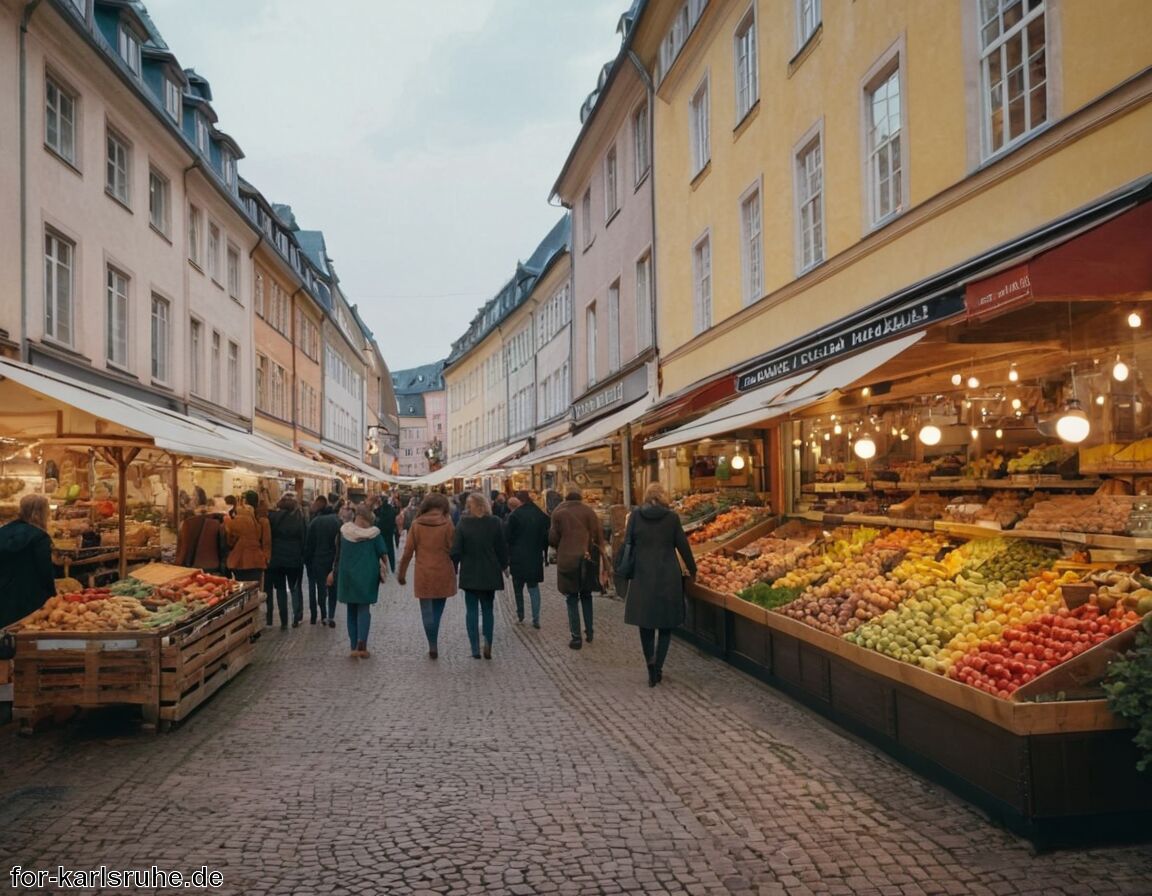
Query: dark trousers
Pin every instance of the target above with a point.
(431, 609)
(576, 603)
(518, 586)
(248, 575)
(655, 648)
(321, 598)
(283, 580)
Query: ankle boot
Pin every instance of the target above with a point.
(653, 675)
(362, 648)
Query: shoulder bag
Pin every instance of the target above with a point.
(626, 562)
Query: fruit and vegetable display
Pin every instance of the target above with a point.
(1079, 513)
(769, 596)
(701, 505)
(1036, 459)
(1003, 508)
(130, 605)
(729, 573)
(728, 524)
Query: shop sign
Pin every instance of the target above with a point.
(627, 389)
(1007, 289)
(851, 340)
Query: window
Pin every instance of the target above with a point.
(173, 99)
(129, 46)
(116, 175)
(117, 318)
(641, 157)
(883, 147)
(158, 192)
(747, 76)
(60, 120)
(702, 283)
(751, 246)
(258, 295)
(586, 216)
(807, 20)
(233, 271)
(810, 204)
(233, 376)
(614, 327)
(228, 163)
(673, 42)
(58, 254)
(591, 319)
(644, 302)
(611, 198)
(214, 252)
(195, 359)
(1013, 70)
(261, 382)
(214, 371)
(160, 338)
(698, 122)
(195, 224)
(202, 134)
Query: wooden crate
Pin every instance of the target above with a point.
(201, 656)
(84, 669)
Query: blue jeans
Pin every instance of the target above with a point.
(476, 604)
(518, 586)
(359, 620)
(431, 609)
(575, 603)
(320, 596)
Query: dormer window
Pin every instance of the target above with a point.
(202, 134)
(129, 45)
(172, 99)
(229, 164)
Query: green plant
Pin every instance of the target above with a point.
(1129, 689)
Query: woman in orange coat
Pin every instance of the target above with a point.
(430, 543)
(249, 541)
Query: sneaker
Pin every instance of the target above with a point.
(575, 644)
(487, 651)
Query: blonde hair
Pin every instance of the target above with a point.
(479, 505)
(656, 494)
(34, 510)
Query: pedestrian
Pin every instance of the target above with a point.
(410, 513)
(500, 506)
(319, 555)
(249, 543)
(286, 563)
(359, 569)
(552, 500)
(396, 509)
(527, 533)
(230, 501)
(480, 550)
(456, 503)
(655, 601)
(430, 543)
(201, 542)
(578, 537)
(386, 523)
(26, 575)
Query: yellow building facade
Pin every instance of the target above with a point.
(808, 168)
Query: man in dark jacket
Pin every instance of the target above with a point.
(26, 575)
(526, 531)
(577, 535)
(286, 565)
(386, 523)
(319, 556)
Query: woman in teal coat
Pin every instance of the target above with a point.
(357, 573)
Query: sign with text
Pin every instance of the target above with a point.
(850, 340)
(624, 391)
(998, 293)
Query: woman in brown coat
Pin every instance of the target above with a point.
(576, 534)
(249, 541)
(430, 540)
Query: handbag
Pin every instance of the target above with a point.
(626, 562)
(590, 566)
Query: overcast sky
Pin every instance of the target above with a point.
(422, 138)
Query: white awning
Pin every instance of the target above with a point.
(599, 433)
(447, 472)
(495, 458)
(776, 399)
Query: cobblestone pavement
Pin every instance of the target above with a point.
(544, 770)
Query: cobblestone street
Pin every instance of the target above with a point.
(544, 770)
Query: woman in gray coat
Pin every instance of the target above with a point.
(655, 599)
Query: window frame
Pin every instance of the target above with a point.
(173, 99)
(117, 172)
(590, 344)
(232, 272)
(810, 13)
(641, 142)
(699, 126)
(161, 343)
(155, 177)
(216, 360)
(611, 183)
(67, 150)
(752, 290)
(195, 225)
(890, 64)
(998, 46)
(52, 296)
(813, 138)
(203, 136)
(645, 331)
(750, 78)
(128, 48)
(212, 251)
(614, 348)
(114, 298)
(702, 274)
(586, 216)
(195, 355)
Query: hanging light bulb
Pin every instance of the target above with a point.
(957, 379)
(973, 382)
(737, 460)
(975, 433)
(865, 392)
(1100, 400)
(1013, 374)
(796, 443)
(837, 429)
(864, 448)
(967, 403)
(1016, 404)
(1073, 425)
(904, 435)
(930, 433)
(999, 433)
(1119, 370)
(1134, 320)
(827, 437)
